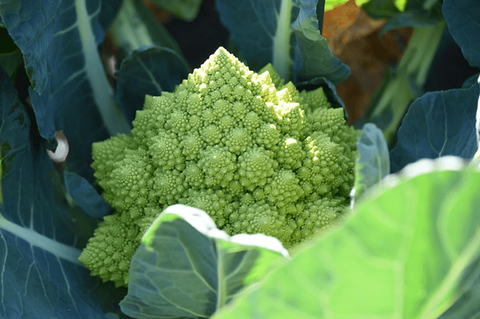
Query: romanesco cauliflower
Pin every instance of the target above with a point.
(254, 153)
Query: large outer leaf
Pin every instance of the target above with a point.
(477, 125)
(438, 124)
(187, 268)
(468, 306)
(284, 33)
(70, 90)
(463, 20)
(407, 252)
(40, 276)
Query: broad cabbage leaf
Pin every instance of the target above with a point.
(70, 90)
(403, 253)
(40, 233)
(463, 19)
(187, 268)
(438, 124)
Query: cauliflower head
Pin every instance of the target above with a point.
(254, 153)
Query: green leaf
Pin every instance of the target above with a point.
(85, 196)
(373, 162)
(381, 8)
(134, 26)
(312, 56)
(409, 251)
(40, 234)
(183, 9)
(413, 18)
(147, 70)
(463, 20)
(10, 62)
(403, 13)
(285, 33)
(438, 124)
(10, 55)
(69, 89)
(468, 306)
(330, 4)
(406, 83)
(187, 268)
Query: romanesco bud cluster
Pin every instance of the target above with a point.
(254, 153)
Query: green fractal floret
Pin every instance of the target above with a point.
(111, 248)
(254, 153)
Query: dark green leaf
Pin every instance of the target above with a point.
(378, 9)
(438, 124)
(401, 86)
(468, 306)
(9, 62)
(135, 26)
(284, 33)
(85, 196)
(40, 234)
(311, 55)
(108, 12)
(70, 91)
(10, 55)
(463, 20)
(183, 9)
(415, 13)
(413, 18)
(373, 162)
(148, 70)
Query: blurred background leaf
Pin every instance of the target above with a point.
(10, 55)
(134, 26)
(183, 9)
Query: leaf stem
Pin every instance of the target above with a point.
(112, 116)
(222, 286)
(281, 60)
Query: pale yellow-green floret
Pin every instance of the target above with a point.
(254, 153)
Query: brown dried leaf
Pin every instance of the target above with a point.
(353, 37)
